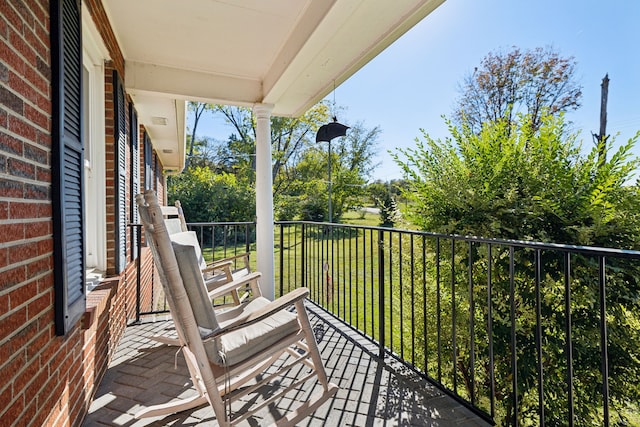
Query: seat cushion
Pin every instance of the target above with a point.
(237, 346)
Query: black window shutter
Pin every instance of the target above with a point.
(135, 177)
(148, 159)
(121, 173)
(156, 174)
(67, 164)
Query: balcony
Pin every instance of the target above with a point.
(373, 391)
(428, 329)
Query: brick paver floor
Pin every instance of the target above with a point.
(372, 392)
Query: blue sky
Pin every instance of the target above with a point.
(415, 81)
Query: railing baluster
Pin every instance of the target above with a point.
(381, 303)
(312, 263)
(281, 265)
(372, 283)
(344, 275)
(538, 272)
(293, 254)
(400, 288)
(472, 329)
(569, 347)
(424, 306)
(331, 283)
(357, 297)
(492, 375)
(303, 256)
(319, 248)
(453, 316)
(235, 241)
(325, 264)
(318, 259)
(202, 239)
(247, 239)
(292, 273)
(514, 350)
(225, 232)
(413, 303)
(604, 356)
(438, 312)
(351, 275)
(364, 285)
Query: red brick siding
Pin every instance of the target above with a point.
(110, 165)
(46, 379)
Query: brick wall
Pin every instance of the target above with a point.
(45, 379)
(34, 364)
(100, 19)
(110, 158)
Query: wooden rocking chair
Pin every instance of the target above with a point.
(218, 272)
(225, 352)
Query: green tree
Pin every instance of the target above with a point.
(516, 183)
(290, 137)
(385, 196)
(209, 196)
(351, 165)
(519, 181)
(198, 109)
(300, 174)
(532, 82)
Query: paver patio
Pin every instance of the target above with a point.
(372, 392)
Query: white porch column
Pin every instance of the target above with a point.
(264, 200)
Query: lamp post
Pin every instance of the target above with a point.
(327, 133)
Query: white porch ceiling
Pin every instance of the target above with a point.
(288, 53)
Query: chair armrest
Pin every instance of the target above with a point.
(228, 287)
(233, 257)
(229, 260)
(270, 309)
(221, 265)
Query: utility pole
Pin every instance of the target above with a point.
(601, 138)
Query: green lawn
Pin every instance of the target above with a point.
(360, 218)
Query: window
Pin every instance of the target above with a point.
(67, 163)
(94, 54)
(149, 178)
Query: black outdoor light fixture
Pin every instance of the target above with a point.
(327, 133)
(331, 130)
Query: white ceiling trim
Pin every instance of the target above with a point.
(337, 49)
(191, 85)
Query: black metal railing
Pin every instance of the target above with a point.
(225, 239)
(218, 240)
(520, 332)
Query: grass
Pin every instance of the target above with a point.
(361, 218)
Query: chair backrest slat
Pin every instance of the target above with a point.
(174, 218)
